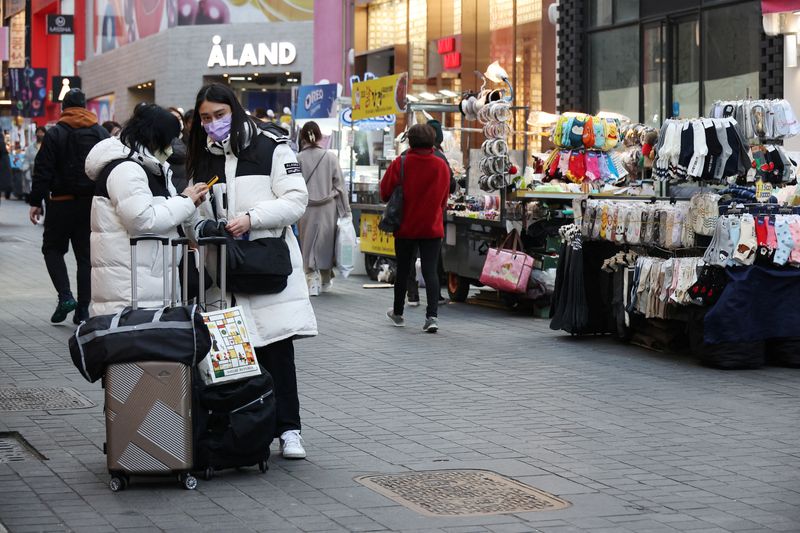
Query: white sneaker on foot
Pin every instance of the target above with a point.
(292, 445)
(314, 284)
(327, 287)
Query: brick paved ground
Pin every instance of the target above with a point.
(636, 441)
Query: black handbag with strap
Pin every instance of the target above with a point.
(260, 266)
(392, 216)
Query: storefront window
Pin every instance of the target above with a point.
(418, 41)
(528, 62)
(731, 50)
(608, 12)
(614, 71)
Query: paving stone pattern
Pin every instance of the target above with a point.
(636, 441)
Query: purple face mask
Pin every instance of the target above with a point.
(220, 128)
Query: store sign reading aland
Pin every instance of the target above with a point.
(260, 54)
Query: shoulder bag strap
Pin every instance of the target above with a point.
(315, 167)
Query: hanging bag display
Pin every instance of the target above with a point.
(393, 214)
(507, 269)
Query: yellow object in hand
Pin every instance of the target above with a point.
(212, 181)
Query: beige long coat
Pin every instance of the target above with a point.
(327, 200)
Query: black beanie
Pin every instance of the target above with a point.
(437, 127)
(73, 98)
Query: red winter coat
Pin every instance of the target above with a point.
(426, 186)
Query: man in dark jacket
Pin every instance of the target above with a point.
(61, 184)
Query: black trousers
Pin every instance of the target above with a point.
(405, 252)
(67, 222)
(278, 359)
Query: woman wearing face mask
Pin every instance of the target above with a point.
(134, 195)
(30, 158)
(260, 193)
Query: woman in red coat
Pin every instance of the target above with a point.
(425, 179)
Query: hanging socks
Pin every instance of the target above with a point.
(746, 248)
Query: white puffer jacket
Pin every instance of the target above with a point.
(275, 201)
(130, 209)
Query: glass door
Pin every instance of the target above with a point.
(685, 79)
(654, 62)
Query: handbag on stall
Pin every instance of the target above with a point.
(507, 269)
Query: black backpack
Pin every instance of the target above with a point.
(79, 143)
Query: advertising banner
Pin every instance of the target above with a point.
(373, 240)
(380, 96)
(316, 101)
(102, 106)
(117, 23)
(28, 90)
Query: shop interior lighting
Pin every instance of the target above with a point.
(5, 102)
(224, 75)
(288, 73)
(427, 96)
(448, 93)
(255, 74)
(236, 78)
(790, 50)
(249, 78)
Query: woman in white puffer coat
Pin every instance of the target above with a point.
(260, 193)
(134, 195)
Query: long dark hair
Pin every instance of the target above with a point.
(242, 128)
(310, 135)
(152, 127)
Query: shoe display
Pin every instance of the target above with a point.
(397, 320)
(63, 308)
(81, 314)
(292, 445)
(431, 325)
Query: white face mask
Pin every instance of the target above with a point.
(163, 155)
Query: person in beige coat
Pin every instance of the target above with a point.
(327, 201)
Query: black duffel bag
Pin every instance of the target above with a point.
(260, 266)
(176, 334)
(235, 423)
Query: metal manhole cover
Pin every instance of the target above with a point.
(41, 398)
(461, 493)
(14, 447)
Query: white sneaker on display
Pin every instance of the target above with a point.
(292, 445)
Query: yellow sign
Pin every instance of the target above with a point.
(763, 191)
(373, 240)
(380, 96)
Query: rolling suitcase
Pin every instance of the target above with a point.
(148, 405)
(235, 421)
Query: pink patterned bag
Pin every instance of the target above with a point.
(507, 270)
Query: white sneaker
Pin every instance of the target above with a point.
(314, 284)
(327, 287)
(292, 445)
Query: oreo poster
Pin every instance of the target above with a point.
(28, 90)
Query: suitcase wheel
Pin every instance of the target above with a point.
(262, 465)
(208, 473)
(118, 483)
(188, 481)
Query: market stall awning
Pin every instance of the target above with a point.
(779, 6)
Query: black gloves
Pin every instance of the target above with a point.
(212, 228)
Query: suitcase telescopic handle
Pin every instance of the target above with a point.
(135, 240)
(222, 242)
(183, 242)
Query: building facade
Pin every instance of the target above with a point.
(261, 49)
(651, 59)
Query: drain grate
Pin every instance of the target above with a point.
(461, 493)
(41, 398)
(14, 447)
